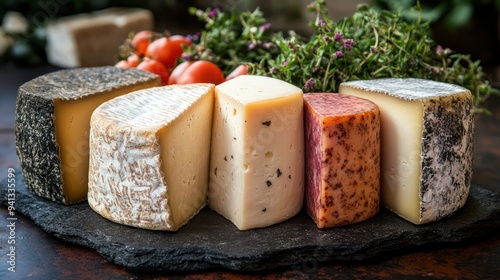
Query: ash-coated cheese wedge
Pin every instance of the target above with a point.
(342, 140)
(53, 122)
(257, 154)
(427, 144)
(149, 156)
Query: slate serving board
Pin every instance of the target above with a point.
(210, 241)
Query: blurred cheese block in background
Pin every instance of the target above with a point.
(342, 140)
(53, 121)
(149, 156)
(257, 160)
(427, 144)
(93, 39)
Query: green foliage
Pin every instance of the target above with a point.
(230, 39)
(370, 44)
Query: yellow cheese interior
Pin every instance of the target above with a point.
(72, 125)
(401, 137)
(184, 155)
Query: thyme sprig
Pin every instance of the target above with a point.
(233, 38)
(369, 44)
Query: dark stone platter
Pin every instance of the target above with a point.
(210, 241)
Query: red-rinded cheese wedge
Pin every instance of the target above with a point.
(342, 140)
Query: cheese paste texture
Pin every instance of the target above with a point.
(427, 144)
(149, 156)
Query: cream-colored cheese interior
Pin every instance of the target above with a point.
(72, 125)
(273, 147)
(185, 151)
(226, 173)
(401, 136)
(257, 164)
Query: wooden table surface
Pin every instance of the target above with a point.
(42, 256)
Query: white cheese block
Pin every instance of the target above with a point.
(149, 156)
(427, 144)
(257, 154)
(93, 39)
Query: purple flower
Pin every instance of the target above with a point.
(321, 23)
(339, 54)
(348, 44)
(251, 46)
(439, 50)
(285, 63)
(310, 84)
(338, 37)
(193, 37)
(326, 39)
(264, 27)
(213, 12)
(268, 45)
(186, 56)
(275, 70)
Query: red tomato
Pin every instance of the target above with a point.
(177, 72)
(131, 62)
(155, 67)
(180, 40)
(201, 72)
(167, 50)
(240, 70)
(141, 41)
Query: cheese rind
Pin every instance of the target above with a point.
(52, 124)
(342, 136)
(257, 161)
(427, 144)
(149, 156)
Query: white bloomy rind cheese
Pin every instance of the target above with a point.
(257, 154)
(427, 144)
(149, 156)
(53, 121)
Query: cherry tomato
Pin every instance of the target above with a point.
(177, 72)
(155, 67)
(201, 72)
(141, 41)
(131, 62)
(167, 50)
(240, 70)
(180, 40)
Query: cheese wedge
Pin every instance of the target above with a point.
(342, 140)
(53, 121)
(257, 160)
(149, 156)
(427, 144)
(92, 39)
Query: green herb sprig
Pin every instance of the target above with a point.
(233, 38)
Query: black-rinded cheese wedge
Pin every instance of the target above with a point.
(427, 132)
(52, 125)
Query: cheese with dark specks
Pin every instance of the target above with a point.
(257, 152)
(342, 136)
(427, 144)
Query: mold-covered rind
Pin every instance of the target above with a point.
(447, 155)
(36, 144)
